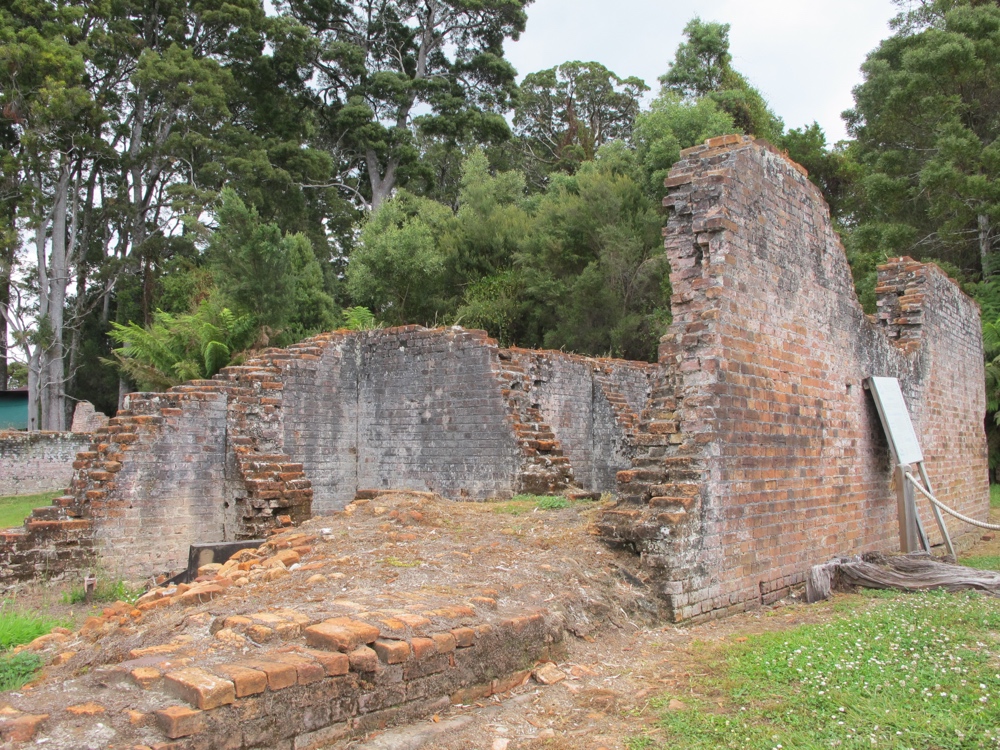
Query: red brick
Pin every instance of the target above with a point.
(180, 721)
(340, 634)
(199, 688)
(246, 681)
(392, 652)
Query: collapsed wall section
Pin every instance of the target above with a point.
(591, 406)
(414, 408)
(760, 453)
(301, 430)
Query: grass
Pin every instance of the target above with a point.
(897, 671)
(21, 627)
(15, 508)
(17, 628)
(395, 562)
(521, 504)
(983, 562)
(995, 495)
(104, 591)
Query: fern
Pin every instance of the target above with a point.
(177, 348)
(360, 319)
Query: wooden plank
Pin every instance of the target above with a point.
(937, 512)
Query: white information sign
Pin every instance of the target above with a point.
(896, 420)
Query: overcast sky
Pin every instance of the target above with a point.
(803, 55)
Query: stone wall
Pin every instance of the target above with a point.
(760, 452)
(35, 462)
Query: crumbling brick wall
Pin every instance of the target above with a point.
(35, 462)
(299, 431)
(591, 405)
(760, 452)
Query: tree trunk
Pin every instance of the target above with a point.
(53, 280)
(985, 244)
(382, 185)
(6, 263)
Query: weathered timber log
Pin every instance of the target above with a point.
(914, 572)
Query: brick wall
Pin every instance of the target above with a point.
(34, 462)
(321, 420)
(153, 481)
(590, 405)
(761, 453)
(300, 430)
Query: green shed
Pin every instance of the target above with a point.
(14, 410)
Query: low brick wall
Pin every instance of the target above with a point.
(35, 462)
(760, 451)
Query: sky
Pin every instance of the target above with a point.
(803, 55)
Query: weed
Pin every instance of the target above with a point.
(638, 743)
(898, 671)
(15, 508)
(17, 628)
(104, 591)
(17, 670)
(395, 562)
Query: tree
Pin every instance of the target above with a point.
(673, 123)
(926, 122)
(382, 68)
(176, 348)
(399, 269)
(275, 278)
(565, 114)
(594, 276)
(702, 67)
(52, 124)
(830, 169)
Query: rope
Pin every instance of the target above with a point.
(946, 509)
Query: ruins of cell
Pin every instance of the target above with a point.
(746, 454)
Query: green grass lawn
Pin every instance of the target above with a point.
(521, 504)
(896, 671)
(995, 495)
(15, 508)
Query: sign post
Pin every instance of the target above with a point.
(906, 451)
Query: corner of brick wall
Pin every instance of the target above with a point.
(760, 453)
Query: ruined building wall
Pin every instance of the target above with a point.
(34, 462)
(760, 452)
(153, 480)
(300, 430)
(321, 420)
